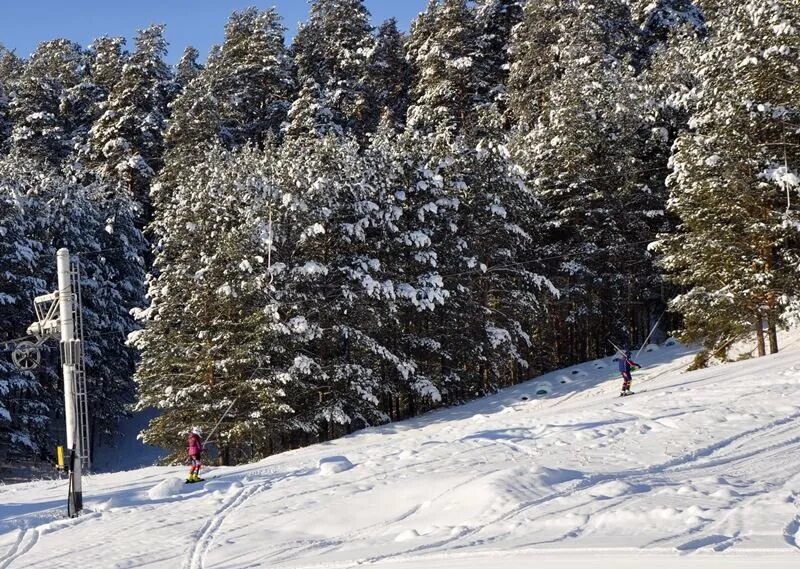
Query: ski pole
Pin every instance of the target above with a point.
(650, 334)
(624, 356)
(220, 421)
(616, 347)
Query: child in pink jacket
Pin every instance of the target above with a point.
(195, 448)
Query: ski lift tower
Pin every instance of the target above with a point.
(59, 315)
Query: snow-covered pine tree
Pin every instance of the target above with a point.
(496, 22)
(464, 300)
(57, 212)
(241, 95)
(442, 49)
(672, 34)
(47, 107)
(188, 68)
(487, 255)
(126, 143)
(111, 292)
(10, 70)
(333, 275)
(333, 49)
(85, 103)
(5, 119)
(23, 413)
(659, 21)
(109, 57)
(735, 179)
(536, 50)
(388, 78)
(463, 181)
(112, 285)
(252, 77)
(407, 222)
(209, 336)
(554, 32)
(501, 224)
(11, 66)
(586, 155)
(194, 126)
(309, 116)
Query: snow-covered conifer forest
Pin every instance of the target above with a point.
(361, 224)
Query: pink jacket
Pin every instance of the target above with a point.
(195, 444)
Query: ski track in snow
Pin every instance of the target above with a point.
(24, 543)
(684, 462)
(196, 558)
(28, 537)
(693, 467)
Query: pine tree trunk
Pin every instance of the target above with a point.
(772, 330)
(762, 350)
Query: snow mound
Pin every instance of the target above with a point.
(671, 342)
(543, 388)
(105, 506)
(563, 380)
(544, 476)
(407, 535)
(406, 454)
(333, 465)
(651, 348)
(222, 486)
(512, 487)
(166, 488)
(616, 489)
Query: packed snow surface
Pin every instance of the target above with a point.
(698, 469)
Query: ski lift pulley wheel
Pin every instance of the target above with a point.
(26, 356)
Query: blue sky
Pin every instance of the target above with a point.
(26, 23)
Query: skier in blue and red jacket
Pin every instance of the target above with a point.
(625, 366)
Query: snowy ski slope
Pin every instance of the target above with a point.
(698, 469)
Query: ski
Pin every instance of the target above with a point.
(628, 394)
